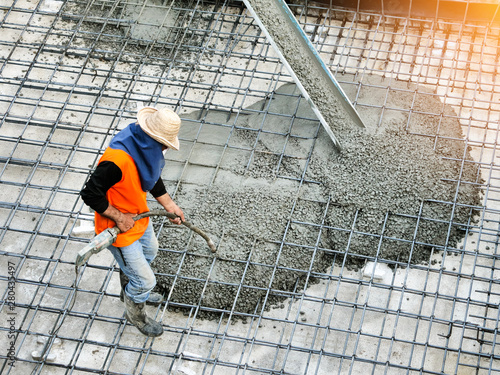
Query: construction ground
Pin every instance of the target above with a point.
(380, 259)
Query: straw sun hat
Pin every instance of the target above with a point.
(160, 124)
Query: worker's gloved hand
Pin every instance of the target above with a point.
(125, 221)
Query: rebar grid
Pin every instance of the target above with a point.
(73, 73)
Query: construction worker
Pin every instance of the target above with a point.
(129, 168)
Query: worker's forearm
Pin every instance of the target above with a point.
(112, 213)
(166, 201)
(170, 206)
(123, 221)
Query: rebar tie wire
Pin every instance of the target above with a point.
(114, 232)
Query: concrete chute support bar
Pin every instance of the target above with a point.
(312, 76)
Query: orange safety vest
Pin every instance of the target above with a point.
(126, 195)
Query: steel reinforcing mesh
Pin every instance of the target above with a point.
(73, 72)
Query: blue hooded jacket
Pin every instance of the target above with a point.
(146, 152)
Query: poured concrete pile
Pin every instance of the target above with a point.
(385, 182)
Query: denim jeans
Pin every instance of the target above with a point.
(134, 260)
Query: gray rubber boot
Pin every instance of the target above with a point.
(154, 298)
(136, 314)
